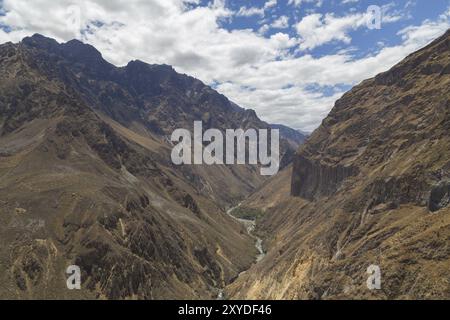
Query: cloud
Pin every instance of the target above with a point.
(318, 29)
(252, 11)
(256, 71)
(281, 23)
(270, 4)
(297, 3)
(417, 36)
(255, 11)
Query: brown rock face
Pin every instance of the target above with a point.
(310, 179)
(379, 123)
(439, 196)
(369, 187)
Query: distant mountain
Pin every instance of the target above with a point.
(294, 136)
(305, 133)
(370, 187)
(86, 178)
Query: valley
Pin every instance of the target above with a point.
(86, 179)
(250, 225)
(85, 149)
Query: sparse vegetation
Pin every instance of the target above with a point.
(247, 213)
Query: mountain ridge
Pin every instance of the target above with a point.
(75, 50)
(86, 179)
(369, 187)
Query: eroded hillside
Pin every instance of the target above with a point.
(86, 178)
(370, 187)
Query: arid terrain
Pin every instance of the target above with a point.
(371, 186)
(86, 179)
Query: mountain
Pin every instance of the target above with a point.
(371, 186)
(292, 139)
(305, 133)
(295, 137)
(87, 180)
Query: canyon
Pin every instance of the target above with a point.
(85, 151)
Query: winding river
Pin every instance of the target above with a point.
(250, 225)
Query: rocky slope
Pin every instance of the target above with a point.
(86, 179)
(370, 187)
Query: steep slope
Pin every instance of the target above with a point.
(86, 179)
(152, 101)
(293, 139)
(370, 187)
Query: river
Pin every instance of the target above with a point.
(250, 225)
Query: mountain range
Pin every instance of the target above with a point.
(86, 179)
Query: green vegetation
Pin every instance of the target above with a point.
(247, 213)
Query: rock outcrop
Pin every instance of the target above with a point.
(310, 179)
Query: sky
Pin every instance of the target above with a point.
(289, 60)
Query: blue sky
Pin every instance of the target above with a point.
(407, 12)
(287, 59)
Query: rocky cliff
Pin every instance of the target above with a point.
(370, 187)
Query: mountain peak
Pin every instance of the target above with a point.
(80, 47)
(39, 41)
(83, 52)
(141, 65)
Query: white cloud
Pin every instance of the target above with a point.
(281, 23)
(297, 3)
(255, 11)
(263, 29)
(418, 36)
(252, 11)
(317, 29)
(270, 4)
(255, 71)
